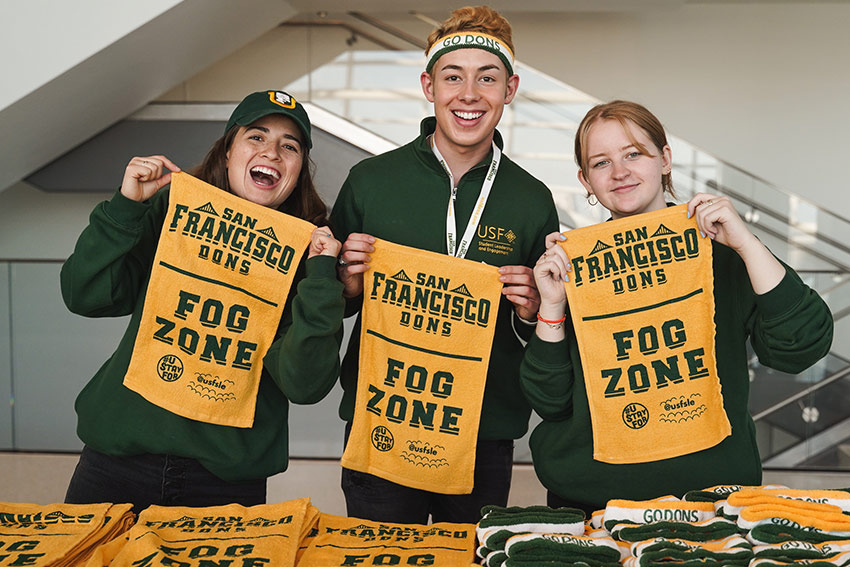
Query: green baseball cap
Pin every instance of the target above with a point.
(262, 103)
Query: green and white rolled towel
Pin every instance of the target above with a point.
(768, 523)
(733, 550)
(544, 549)
(721, 492)
(796, 550)
(841, 560)
(499, 523)
(601, 532)
(712, 529)
(651, 511)
(595, 520)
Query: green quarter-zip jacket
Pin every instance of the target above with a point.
(790, 328)
(402, 196)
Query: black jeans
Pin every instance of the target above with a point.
(373, 498)
(164, 480)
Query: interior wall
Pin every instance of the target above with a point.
(762, 86)
(277, 58)
(36, 225)
(71, 34)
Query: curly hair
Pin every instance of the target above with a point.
(482, 19)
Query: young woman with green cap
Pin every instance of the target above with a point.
(138, 452)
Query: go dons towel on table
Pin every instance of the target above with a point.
(427, 329)
(221, 275)
(642, 304)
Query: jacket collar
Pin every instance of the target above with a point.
(427, 127)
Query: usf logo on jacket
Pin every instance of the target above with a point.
(497, 240)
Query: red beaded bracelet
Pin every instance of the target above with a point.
(553, 324)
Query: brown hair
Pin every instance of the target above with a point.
(624, 111)
(304, 202)
(481, 19)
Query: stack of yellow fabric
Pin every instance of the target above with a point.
(268, 534)
(352, 541)
(782, 497)
(58, 535)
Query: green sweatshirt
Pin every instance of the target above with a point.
(402, 196)
(789, 327)
(107, 276)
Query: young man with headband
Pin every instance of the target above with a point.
(452, 191)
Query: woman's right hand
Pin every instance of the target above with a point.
(323, 243)
(550, 273)
(144, 176)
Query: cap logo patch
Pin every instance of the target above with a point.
(280, 98)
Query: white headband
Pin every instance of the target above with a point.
(466, 40)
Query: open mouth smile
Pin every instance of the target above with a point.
(264, 176)
(468, 115)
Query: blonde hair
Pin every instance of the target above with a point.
(482, 19)
(624, 111)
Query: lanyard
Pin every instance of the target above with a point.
(451, 228)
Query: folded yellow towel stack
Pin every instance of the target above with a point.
(268, 534)
(58, 535)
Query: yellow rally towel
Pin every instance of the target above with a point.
(352, 541)
(815, 519)
(229, 535)
(427, 329)
(58, 535)
(221, 275)
(813, 500)
(641, 295)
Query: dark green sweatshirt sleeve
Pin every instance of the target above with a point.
(304, 360)
(346, 218)
(546, 378)
(791, 327)
(111, 260)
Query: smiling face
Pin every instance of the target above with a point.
(264, 160)
(624, 178)
(469, 89)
